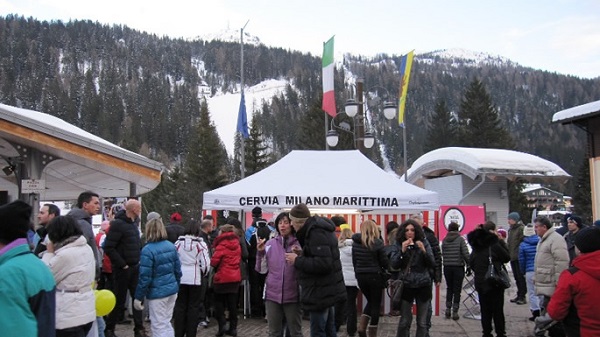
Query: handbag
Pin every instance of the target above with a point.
(396, 286)
(497, 277)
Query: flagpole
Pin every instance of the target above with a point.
(404, 151)
(326, 130)
(242, 147)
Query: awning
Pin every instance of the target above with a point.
(70, 159)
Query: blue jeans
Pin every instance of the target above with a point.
(406, 317)
(322, 323)
(534, 300)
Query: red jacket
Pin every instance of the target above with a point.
(226, 258)
(581, 287)
(106, 266)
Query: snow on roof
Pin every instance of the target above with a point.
(576, 112)
(58, 128)
(531, 187)
(473, 162)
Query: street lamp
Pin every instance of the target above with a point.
(354, 109)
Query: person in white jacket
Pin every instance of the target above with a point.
(195, 263)
(345, 245)
(72, 263)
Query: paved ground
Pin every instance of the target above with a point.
(517, 324)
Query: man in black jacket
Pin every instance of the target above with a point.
(47, 213)
(319, 269)
(123, 246)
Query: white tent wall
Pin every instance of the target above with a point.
(325, 180)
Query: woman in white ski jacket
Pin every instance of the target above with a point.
(195, 263)
(73, 265)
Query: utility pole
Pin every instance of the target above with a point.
(360, 120)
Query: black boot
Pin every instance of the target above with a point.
(232, 326)
(534, 314)
(221, 331)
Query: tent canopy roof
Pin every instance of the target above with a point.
(473, 162)
(323, 180)
(72, 159)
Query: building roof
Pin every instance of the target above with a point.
(474, 162)
(73, 160)
(576, 113)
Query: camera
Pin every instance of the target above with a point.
(411, 246)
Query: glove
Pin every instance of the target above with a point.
(137, 305)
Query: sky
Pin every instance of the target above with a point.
(560, 36)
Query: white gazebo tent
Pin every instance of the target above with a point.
(324, 180)
(328, 182)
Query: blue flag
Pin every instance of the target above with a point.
(242, 124)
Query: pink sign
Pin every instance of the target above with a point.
(467, 218)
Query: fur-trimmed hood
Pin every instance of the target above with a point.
(481, 239)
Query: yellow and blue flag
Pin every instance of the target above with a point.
(405, 66)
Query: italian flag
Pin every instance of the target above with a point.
(328, 93)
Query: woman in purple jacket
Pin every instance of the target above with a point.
(281, 287)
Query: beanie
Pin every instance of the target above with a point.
(576, 219)
(299, 211)
(256, 212)
(175, 217)
(528, 230)
(503, 233)
(587, 240)
(514, 216)
(105, 225)
(14, 221)
(345, 226)
(154, 215)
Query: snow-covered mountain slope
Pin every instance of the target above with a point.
(224, 108)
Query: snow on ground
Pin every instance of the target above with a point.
(224, 108)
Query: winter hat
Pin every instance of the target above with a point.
(344, 226)
(299, 212)
(256, 212)
(175, 217)
(528, 230)
(14, 221)
(453, 227)
(104, 225)
(154, 215)
(503, 233)
(514, 216)
(338, 220)
(576, 219)
(588, 240)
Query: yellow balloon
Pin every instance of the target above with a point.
(105, 302)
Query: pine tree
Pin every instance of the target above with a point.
(442, 128)
(582, 195)
(311, 135)
(256, 152)
(480, 127)
(479, 123)
(206, 164)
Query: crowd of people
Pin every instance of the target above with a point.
(180, 275)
